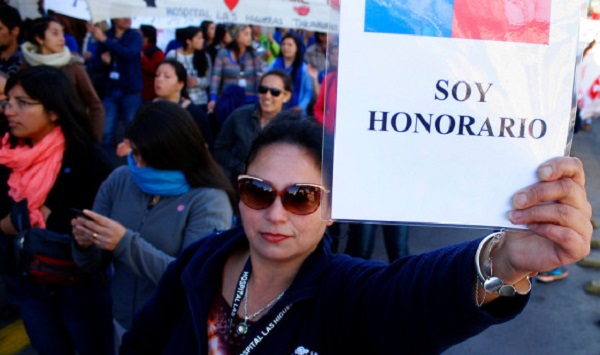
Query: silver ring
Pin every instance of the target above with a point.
(95, 235)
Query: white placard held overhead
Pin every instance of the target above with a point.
(446, 108)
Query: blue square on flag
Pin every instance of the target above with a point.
(414, 17)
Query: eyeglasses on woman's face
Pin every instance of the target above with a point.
(21, 103)
(300, 199)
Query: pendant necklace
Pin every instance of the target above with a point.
(154, 200)
(242, 328)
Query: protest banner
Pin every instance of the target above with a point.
(305, 14)
(74, 8)
(445, 108)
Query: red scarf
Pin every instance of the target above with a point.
(34, 171)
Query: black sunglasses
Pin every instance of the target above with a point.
(263, 90)
(300, 199)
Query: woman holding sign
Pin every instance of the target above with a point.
(273, 286)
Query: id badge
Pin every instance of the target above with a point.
(114, 75)
(242, 82)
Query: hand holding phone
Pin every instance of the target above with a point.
(79, 213)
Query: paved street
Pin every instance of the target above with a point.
(560, 319)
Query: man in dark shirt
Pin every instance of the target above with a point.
(10, 28)
(120, 49)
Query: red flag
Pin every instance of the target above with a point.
(525, 21)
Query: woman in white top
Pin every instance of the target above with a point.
(197, 63)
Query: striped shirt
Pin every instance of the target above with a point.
(227, 71)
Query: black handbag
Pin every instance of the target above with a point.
(47, 258)
(41, 254)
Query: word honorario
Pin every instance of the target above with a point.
(461, 125)
(458, 124)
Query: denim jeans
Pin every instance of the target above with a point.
(118, 105)
(68, 319)
(361, 240)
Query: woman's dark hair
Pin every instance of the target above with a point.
(37, 28)
(181, 75)
(168, 139)
(200, 61)
(53, 88)
(220, 31)
(149, 32)
(288, 128)
(319, 37)
(204, 27)
(235, 48)
(287, 80)
(298, 60)
(188, 33)
(178, 37)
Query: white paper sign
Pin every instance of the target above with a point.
(446, 108)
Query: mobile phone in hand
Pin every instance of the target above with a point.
(79, 213)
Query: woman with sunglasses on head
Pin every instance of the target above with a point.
(46, 46)
(170, 194)
(244, 124)
(290, 60)
(272, 286)
(49, 164)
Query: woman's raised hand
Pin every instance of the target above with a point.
(557, 213)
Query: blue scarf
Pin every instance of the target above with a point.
(158, 182)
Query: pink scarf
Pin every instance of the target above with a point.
(34, 171)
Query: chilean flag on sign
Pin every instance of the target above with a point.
(525, 21)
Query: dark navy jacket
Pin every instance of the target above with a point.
(126, 60)
(340, 305)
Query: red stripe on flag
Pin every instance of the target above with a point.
(526, 21)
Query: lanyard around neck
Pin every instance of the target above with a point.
(235, 305)
(240, 291)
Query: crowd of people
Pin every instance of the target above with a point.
(219, 193)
